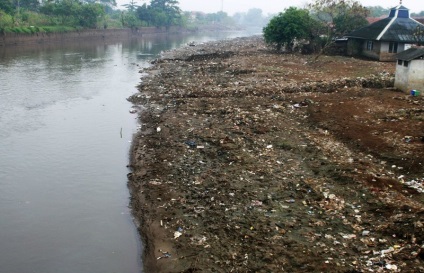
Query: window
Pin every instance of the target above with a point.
(399, 62)
(393, 47)
(405, 64)
(370, 45)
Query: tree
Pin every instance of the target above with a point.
(131, 6)
(107, 3)
(346, 23)
(31, 5)
(6, 20)
(74, 12)
(89, 14)
(337, 18)
(286, 28)
(167, 12)
(160, 13)
(6, 6)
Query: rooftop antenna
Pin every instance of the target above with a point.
(401, 2)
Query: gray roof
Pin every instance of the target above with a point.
(398, 27)
(411, 54)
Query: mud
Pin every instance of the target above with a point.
(253, 161)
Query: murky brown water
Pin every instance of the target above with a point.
(63, 194)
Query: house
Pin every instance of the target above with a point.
(410, 70)
(383, 39)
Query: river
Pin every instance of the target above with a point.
(65, 135)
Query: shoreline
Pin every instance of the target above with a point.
(8, 40)
(252, 161)
(23, 39)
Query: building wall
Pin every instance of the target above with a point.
(401, 77)
(385, 56)
(416, 75)
(411, 77)
(374, 53)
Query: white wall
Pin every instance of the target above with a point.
(401, 77)
(411, 77)
(416, 75)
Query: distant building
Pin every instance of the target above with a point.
(383, 39)
(410, 70)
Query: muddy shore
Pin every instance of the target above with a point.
(249, 160)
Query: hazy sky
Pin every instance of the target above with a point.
(272, 6)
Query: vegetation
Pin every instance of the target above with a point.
(29, 16)
(284, 29)
(160, 13)
(316, 28)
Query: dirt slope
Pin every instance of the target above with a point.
(252, 161)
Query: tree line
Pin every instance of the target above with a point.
(321, 19)
(31, 15)
(62, 15)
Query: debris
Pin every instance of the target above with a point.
(191, 143)
(177, 234)
(270, 155)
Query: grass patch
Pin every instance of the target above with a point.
(32, 29)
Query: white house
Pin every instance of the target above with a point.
(385, 38)
(410, 70)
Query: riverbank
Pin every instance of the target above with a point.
(252, 161)
(26, 39)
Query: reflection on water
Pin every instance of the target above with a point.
(63, 195)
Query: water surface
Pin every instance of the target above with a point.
(65, 133)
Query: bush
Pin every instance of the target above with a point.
(30, 18)
(6, 20)
(51, 29)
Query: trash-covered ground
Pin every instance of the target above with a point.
(252, 161)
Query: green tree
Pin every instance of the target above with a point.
(90, 14)
(167, 12)
(345, 23)
(74, 13)
(337, 18)
(6, 20)
(160, 13)
(144, 14)
(6, 6)
(130, 19)
(286, 28)
(32, 5)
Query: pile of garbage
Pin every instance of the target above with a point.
(242, 164)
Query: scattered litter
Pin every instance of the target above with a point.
(417, 184)
(191, 143)
(164, 255)
(177, 234)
